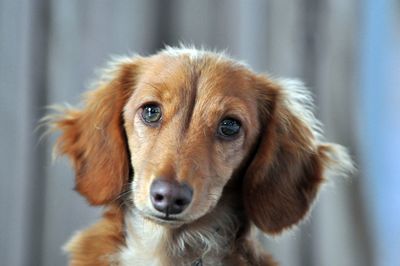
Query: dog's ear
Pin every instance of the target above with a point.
(93, 137)
(287, 169)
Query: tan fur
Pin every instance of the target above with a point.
(268, 175)
(100, 243)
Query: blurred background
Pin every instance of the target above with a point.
(347, 52)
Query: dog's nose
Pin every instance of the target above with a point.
(170, 197)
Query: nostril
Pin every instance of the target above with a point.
(158, 197)
(180, 202)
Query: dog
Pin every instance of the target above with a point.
(188, 150)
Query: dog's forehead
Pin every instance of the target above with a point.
(206, 75)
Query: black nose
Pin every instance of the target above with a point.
(170, 197)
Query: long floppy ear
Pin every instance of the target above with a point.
(93, 137)
(283, 178)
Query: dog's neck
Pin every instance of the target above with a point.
(207, 241)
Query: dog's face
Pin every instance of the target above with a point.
(186, 122)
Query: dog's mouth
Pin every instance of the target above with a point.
(166, 218)
(163, 219)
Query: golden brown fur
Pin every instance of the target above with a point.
(268, 175)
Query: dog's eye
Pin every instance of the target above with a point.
(151, 113)
(229, 127)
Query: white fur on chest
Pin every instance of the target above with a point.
(144, 242)
(150, 244)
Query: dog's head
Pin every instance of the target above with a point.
(183, 123)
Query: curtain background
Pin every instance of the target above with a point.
(347, 52)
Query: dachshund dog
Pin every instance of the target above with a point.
(189, 150)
